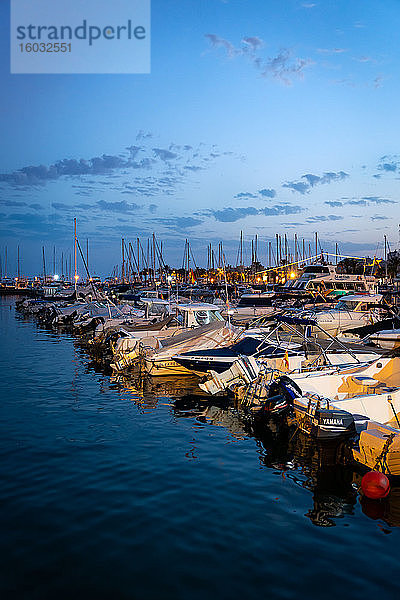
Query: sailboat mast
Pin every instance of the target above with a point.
(75, 273)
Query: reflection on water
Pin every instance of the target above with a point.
(136, 488)
(322, 468)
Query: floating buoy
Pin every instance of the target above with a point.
(375, 485)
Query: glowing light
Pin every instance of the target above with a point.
(76, 277)
(56, 277)
(292, 275)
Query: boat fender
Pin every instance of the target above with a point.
(375, 485)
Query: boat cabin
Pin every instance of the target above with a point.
(197, 314)
(325, 279)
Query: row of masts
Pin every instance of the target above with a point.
(144, 261)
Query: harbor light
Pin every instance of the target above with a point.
(56, 277)
(76, 277)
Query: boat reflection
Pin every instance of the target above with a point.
(324, 469)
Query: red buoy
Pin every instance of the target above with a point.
(375, 485)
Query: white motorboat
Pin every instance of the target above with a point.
(132, 344)
(351, 312)
(387, 338)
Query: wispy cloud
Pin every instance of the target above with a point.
(230, 214)
(378, 200)
(267, 193)
(389, 164)
(308, 181)
(164, 154)
(245, 195)
(334, 203)
(283, 67)
(323, 218)
(332, 50)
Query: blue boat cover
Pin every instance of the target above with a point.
(295, 320)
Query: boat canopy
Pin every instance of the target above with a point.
(295, 320)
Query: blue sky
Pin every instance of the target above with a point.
(263, 116)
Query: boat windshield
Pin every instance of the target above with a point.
(204, 317)
(346, 305)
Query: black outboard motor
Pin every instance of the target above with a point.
(286, 387)
(281, 393)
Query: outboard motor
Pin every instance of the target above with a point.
(281, 394)
(286, 387)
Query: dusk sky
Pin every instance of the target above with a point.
(267, 116)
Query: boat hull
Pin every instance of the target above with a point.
(379, 448)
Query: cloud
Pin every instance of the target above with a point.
(283, 67)
(357, 202)
(164, 154)
(365, 59)
(334, 203)
(297, 186)
(323, 218)
(332, 50)
(62, 206)
(218, 42)
(379, 218)
(230, 215)
(282, 209)
(254, 43)
(39, 175)
(12, 203)
(267, 193)
(390, 164)
(142, 135)
(192, 168)
(111, 167)
(245, 195)
(378, 200)
(117, 207)
(134, 150)
(304, 187)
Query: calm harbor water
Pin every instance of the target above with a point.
(116, 489)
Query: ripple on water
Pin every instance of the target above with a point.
(113, 492)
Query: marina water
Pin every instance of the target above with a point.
(132, 489)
